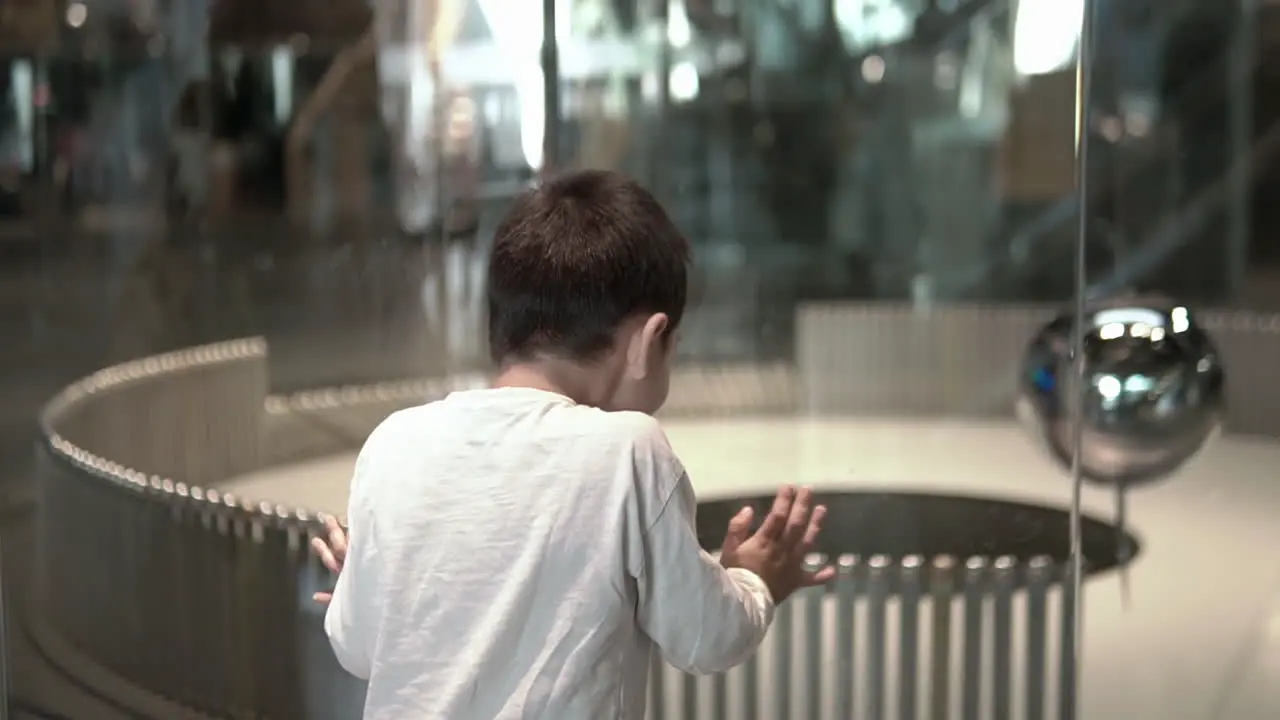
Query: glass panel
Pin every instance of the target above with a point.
(1179, 327)
(882, 199)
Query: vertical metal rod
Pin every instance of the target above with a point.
(177, 605)
(975, 572)
(751, 689)
(1123, 550)
(783, 631)
(909, 657)
(550, 90)
(941, 588)
(813, 643)
(689, 697)
(846, 603)
(4, 648)
(657, 691)
(1070, 656)
(1084, 114)
(719, 697)
(1038, 577)
(1005, 581)
(223, 581)
(878, 585)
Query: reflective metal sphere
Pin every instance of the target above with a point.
(1153, 389)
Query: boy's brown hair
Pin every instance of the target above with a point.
(573, 259)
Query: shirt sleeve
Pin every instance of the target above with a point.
(351, 620)
(704, 618)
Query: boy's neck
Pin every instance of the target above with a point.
(589, 386)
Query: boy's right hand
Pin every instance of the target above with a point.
(776, 551)
(332, 551)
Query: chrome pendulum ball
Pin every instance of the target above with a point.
(1151, 395)
(1152, 389)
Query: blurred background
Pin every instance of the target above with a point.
(325, 174)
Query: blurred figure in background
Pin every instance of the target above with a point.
(436, 154)
(189, 146)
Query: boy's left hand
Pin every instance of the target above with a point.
(332, 551)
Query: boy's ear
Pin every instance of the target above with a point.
(656, 327)
(650, 338)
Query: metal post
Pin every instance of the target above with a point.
(909, 643)
(4, 651)
(751, 689)
(689, 698)
(846, 596)
(1039, 575)
(1240, 104)
(975, 591)
(1073, 588)
(813, 645)
(1124, 550)
(941, 590)
(878, 580)
(782, 637)
(550, 89)
(1004, 584)
(657, 689)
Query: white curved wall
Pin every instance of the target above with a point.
(1199, 636)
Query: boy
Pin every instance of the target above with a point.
(520, 551)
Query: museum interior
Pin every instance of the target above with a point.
(995, 277)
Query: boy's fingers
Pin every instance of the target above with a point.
(798, 519)
(322, 597)
(322, 551)
(821, 577)
(337, 536)
(815, 527)
(739, 529)
(773, 525)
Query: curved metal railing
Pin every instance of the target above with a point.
(149, 572)
(894, 637)
(152, 577)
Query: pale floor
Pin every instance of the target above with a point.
(1199, 636)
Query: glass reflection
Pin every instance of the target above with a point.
(1153, 389)
(883, 199)
(1181, 153)
(328, 175)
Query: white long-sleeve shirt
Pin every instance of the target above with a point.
(516, 555)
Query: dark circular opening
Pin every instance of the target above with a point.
(899, 524)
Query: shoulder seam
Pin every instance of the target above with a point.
(666, 502)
